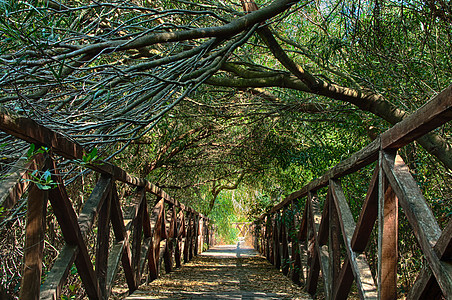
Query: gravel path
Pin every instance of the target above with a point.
(224, 272)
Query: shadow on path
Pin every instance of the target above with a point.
(223, 272)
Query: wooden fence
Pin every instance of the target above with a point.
(138, 233)
(312, 246)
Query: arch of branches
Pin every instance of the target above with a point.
(104, 73)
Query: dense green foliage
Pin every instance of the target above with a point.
(230, 130)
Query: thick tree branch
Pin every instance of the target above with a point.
(223, 32)
(373, 103)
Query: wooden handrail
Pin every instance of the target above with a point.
(430, 116)
(319, 229)
(31, 132)
(146, 224)
(317, 234)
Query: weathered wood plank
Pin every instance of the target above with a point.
(29, 131)
(192, 237)
(122, 233)
(207, 234)
(34, 243)
(358, 262)
(196, 237)
(276, 242)
(323, 221)
(180, 234)
(114, 259)
(75, 229)
(121, 250)
(296, 255)
(137, 237)
(169, 247)
(444, 244)
(161, 231)
(56, 278)
(302, 232)
(426, 284)
(201, 235)
(285, 246)
(368, 216)
(182, 228)
(156, 236)
(433, 114)
(320, 237)
(313, 272)
(103, 239)
(150, 219)
(120, 224)
(268, 237)
(334, 242)
(412, 201)
(15, 184)
(343, 283)
(92, 205)
(421, 219)
(188, 238)
(387, 236)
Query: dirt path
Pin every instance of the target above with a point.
(224, 272)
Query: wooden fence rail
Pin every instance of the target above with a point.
(316, 238)
(137, 233)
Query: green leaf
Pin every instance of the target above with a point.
(47, 175)
(93, 152)
(31, 150)
(43, 187)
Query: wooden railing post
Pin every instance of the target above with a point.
(181, 230)
(355, 263)
(188, 238)
(203, 234)
(268, 237)
(312, 255)
(276, 241)
(207, 233)
(261, 237)
(103, 235)
(74, 230)
(196, 236)
(296, 255)
(103, 203)
(158, 234)
(170, 241)
(137, 237)
(285, 246)
(387, 236)
(192, 236)
(34, 243)
(122, 246)
(334, 242)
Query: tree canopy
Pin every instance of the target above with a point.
(204, 97)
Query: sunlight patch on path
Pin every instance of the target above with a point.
(223, 272)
